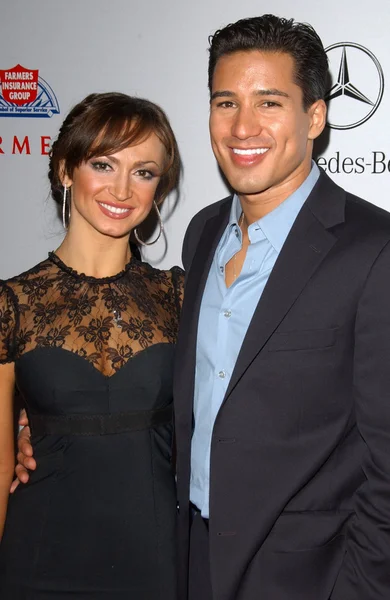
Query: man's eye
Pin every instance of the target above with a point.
(270, 104)
(226, 104)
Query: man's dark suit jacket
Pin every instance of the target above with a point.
(300, 453)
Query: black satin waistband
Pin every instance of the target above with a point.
(99, 424)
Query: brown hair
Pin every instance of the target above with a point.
(102, 124)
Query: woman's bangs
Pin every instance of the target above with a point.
(116, 135)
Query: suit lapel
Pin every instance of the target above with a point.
(306, 246)
(185, 361)
(199, 270)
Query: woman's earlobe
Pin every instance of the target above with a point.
(63, 176)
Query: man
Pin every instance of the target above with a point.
(283, 362)
(282, 374)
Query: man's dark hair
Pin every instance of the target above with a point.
(274, 34)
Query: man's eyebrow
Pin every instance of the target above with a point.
(222, 94)
(271, 92)
(262, 92)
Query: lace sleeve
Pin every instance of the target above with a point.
(8, 324)
(178, 287)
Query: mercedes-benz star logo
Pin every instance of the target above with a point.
(348, 105)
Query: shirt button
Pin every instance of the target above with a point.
(222, 374)
(227, 313)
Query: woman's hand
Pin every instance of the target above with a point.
(25, 455)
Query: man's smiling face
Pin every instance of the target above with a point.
(261, 135)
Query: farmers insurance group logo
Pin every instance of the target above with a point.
(357, 85)
(24, 94)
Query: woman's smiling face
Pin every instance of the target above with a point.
(114, 193)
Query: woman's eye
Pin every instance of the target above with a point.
(101, 166)
(144, 174)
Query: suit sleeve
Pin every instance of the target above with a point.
(365, 574)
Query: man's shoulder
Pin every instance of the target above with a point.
(366, 213)
(197, 224)
(210, 211)
(357, 212)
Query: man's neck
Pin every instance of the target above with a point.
(256, 206)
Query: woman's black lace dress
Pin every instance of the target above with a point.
(93, 360)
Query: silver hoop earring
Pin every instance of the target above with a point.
(64, 220)
(160, 232)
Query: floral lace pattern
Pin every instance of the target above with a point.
(106, 321)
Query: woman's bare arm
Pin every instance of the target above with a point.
(7, 452)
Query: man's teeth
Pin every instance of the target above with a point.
(114, 209)
(250, 151)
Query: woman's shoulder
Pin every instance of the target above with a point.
(27, 287)
(38, 271)
(161, 282)
(152, 272)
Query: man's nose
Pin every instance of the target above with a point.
(247, 123)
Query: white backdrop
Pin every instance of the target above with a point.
(158, 50)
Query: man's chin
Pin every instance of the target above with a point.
(250, 190)
(247, 184)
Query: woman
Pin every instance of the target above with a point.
(88, 337)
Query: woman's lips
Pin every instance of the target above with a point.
(115, 211)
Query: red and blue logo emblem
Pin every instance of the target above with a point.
(23, 93)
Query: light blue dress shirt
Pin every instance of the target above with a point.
(224, 318)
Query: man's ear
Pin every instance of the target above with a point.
(317, 113)
(64, 177)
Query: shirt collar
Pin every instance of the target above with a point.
(276, 225)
